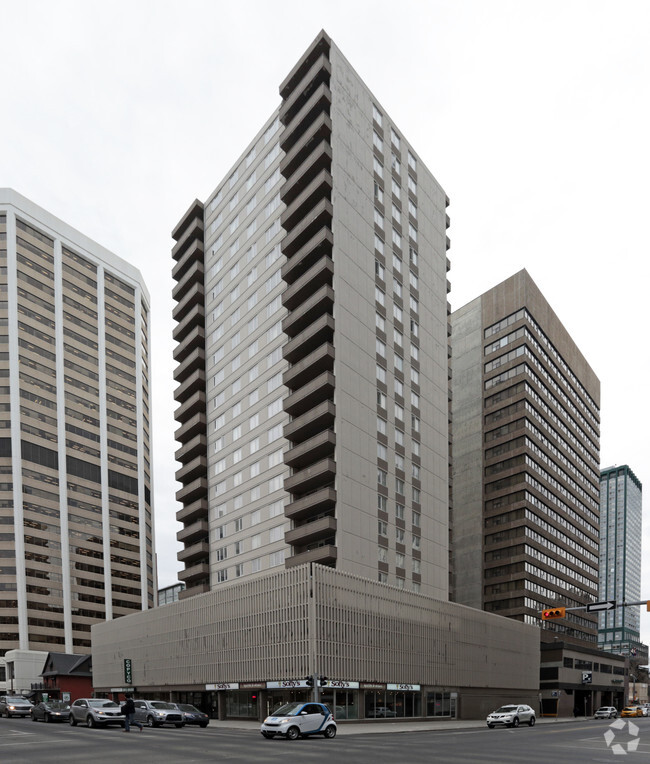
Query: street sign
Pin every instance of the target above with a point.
(128, 671)
(596, 607)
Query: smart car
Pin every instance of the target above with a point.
(14, 705)
(512, 716)
(632, 711)
(51, 711)
(295, 719)
(606, 712)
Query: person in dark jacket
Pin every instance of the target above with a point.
(128, 709)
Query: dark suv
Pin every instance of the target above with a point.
(15, 705)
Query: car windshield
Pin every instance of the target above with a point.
(506, 710)
(57, 704)
(188, 709)
(16, 700)
(289, 709)
(102, 703)
(162, 705)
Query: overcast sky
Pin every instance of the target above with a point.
(534, 117)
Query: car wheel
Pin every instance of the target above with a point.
(33, 717)
(90, 721)
(515, 722)
(293, 733)
(73, 721)
(150, 721)
(531, 721)
(330, 731)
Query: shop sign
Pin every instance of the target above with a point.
(339, 684)
(287, 684)
(404, 687)
(372, 686)
(252, 685)
(223, 686)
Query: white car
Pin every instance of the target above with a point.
(295, 719)
(95, 712)
(512, 716)
(606, 712)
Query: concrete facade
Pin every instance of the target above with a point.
(525, 411)
(369, 639)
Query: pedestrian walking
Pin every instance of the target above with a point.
(128, 709)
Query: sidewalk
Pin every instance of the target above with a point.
(365, 728)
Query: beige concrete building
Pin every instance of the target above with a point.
(311, 302)
(245, 647)
(76, 542)
(525, 462)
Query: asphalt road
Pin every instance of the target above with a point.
(25, 742)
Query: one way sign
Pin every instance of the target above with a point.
(597, 607)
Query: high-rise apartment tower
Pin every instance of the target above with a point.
(525, 411)
(312, 347)
(76, 544)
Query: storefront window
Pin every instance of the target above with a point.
(242, 704)
(389, 704)
(441, 704)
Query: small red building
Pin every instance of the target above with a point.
(66, 673)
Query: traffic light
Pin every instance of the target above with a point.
(310, 681)
(554, 612)
(322, 681)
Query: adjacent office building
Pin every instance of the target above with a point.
(313, 386)
(76, 541)
(525, 462)
(312, 336)
(620, 561)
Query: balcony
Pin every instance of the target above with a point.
(319, 159)
(308, 533)
(311, 477)
(194, 339)
(194, 211)
(193, 253)
(194, 317)
(322, 359)
(319, 217)
(196, 587)
(197, 551)
(195, 447)
(195, 360)
(196, 573)
(315, 503)
(319, 130)
(197, 489)
(308, 311)
(320, 45)
(197, 425)
(194, 274)
(194, 469)
(310, 451)
(320, 101)
(309, 395)
(197, 510)
(317, 333)
(319, 418)
(193, 232)
(319, 72)
(191, 385)
(325, 555)
(193, 296)
(320, 274)
(316, 189)
(193, 532)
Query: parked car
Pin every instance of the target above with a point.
(512, 716)
(192, 715)
(95, 712)
(155, 713)
(14, 705)
(632, 711)
(51, 711)
(295, 719)
(606, 712)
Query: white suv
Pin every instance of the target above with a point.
(606, 712)
(512, 716)
(95, 712)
